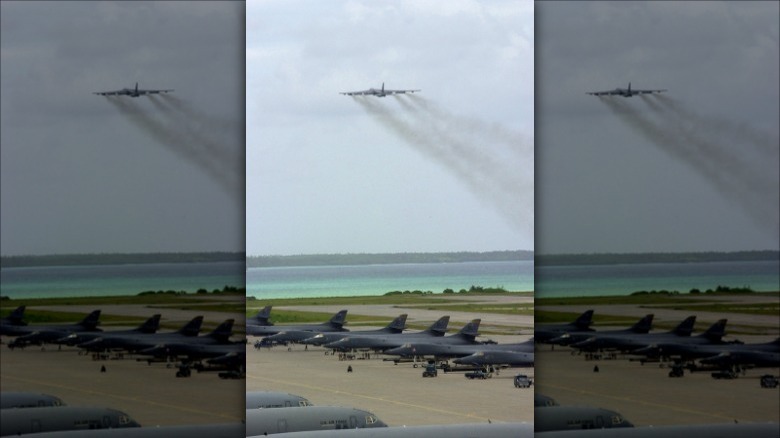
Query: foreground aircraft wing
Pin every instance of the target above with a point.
(400, 91)
(359, 93)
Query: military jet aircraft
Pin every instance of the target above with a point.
(392, 340)
(629, 340)
(679, 346)
(498, 357)
(468, 430)
(642, 326)
(625, 92)
(545, 332)
(305, 337)
(378, 93)
(17, 399)
(138, 340)
(61, 418)
(132, 92)
(727, 356)
(36, 333)
(314, 418)
(560, 418)
(274, 399)
(441, 348)
(335, 324)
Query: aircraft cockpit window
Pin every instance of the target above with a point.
(303, 403)
(617, 419)
(124, 419)
(370, 419)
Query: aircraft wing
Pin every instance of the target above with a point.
(110, 93)
(143, 92)
(646, 91)
(358, 93)
(400, 91)
(604, 93)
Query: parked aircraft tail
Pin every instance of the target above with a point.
(583, 321)
(91, 321)
(716, 331)
(150, 325)
(16, 317)
(192, 328)
(685, 328)
(339, 318)
(398, 324)
(643, 325)
(470, 330)
(439, 328)
(223, 331)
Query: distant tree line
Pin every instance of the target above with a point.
(661, 257)
(385, 259)
(119, 259)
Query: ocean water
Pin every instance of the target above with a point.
(569, 281)
(107, 280)
(331, 281)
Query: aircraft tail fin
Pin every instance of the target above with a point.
(223, 331)
(584, 320)
(338, 319)
(717, 330)
(383, 87)
(264, 314)
(150, 325)
(192, 328)
(629, 88)
(136, 88)
(643, 325)
(16, 317)
(91, 321)
(685, 328)
(439, 327)
(470, 330)
(398, 324)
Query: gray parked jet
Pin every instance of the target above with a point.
(18, 399)
(627, 341)
(305, 337)
(149, 326)
(714, 430)
(679, 346)
(33, 420)
(274, 399)
(283, 420)
(471, 430)
(88, 324)
(497, 357)
(228, 430)
(386, 341)
(335, 324)
(132, 92)
(378, 93)
(551, 418)
(642, 326)
(625, 92)
(727, 356)
(441, 348)
(545, 332)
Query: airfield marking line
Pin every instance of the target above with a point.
(643, 402)
(134, 399)
(336, 391)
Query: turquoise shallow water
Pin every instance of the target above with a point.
(64, 281)
(320, 281)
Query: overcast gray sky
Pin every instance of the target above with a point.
(448, 169)
(83, 173)
(693, 170)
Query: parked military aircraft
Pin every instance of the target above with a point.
(471, 430)
(132, 92)
(551, 418)
(712, 430)
(305, 337)
(17, 399)
(629, 340)
(386, 341)
(378, 93)
(625, 92)
(50, 332)
(274, 399)
(498, 357)
(642, 326)
(727, 356)
(679, 346)
(335, 324)
(48, 419)
(315, 418)
(188, 431)
(545, 332)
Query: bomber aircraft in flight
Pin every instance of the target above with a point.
(378, 93)
(625, 92)
(132, 92)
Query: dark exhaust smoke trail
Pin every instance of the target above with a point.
(464, 153)
(175, 138)
(710, 155)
